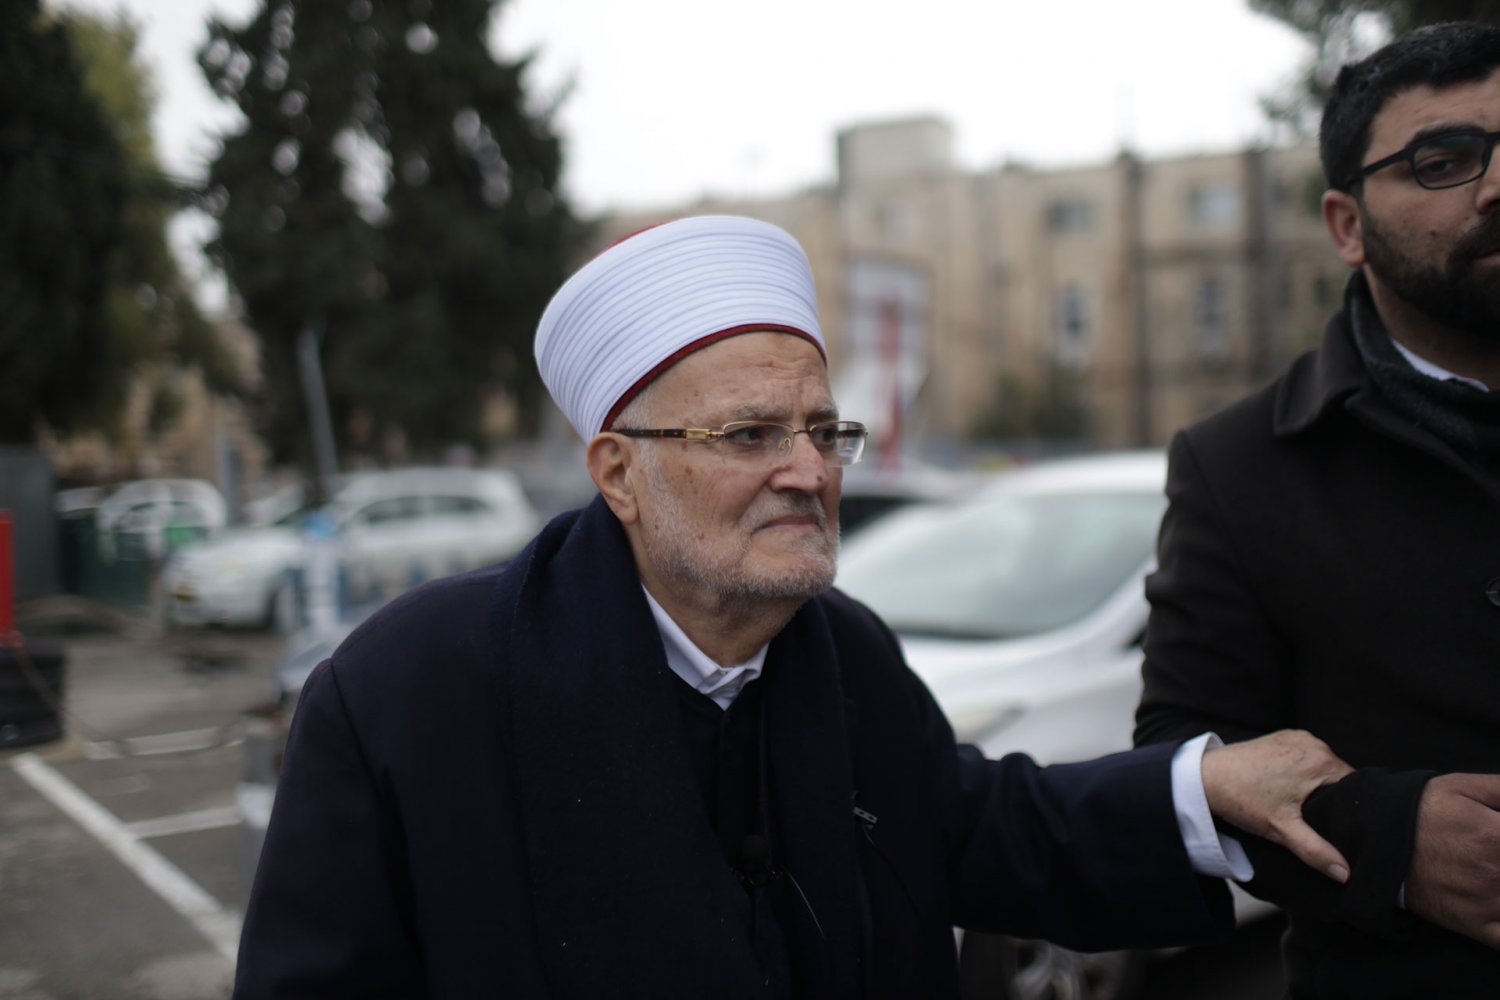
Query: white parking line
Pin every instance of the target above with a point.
(190, 822)
(163, 743)
(254, 804)
(220, 926)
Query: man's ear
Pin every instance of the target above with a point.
(609, 460)
(1341, 216)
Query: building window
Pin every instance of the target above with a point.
(1071, 323)
(1211, 317)
(1213, 205)
(1070, 215)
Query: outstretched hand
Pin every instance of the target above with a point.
(1260, 785)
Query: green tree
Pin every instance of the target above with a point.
(150, 304)
(94, 298)
(393, 188)
(63, 189)
(1048, 408)
(1340, 31)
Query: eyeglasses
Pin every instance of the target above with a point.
(1442, 161)
(840, 442)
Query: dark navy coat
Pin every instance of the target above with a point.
(487, 793)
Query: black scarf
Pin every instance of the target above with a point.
(633, 887)
(1462, 416)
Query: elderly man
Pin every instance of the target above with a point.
(657, 756)
(1331, 555)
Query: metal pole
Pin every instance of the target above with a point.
(311, 370)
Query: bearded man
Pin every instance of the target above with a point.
(1330, 558)
(657, 756)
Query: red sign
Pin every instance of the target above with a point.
(7, 591)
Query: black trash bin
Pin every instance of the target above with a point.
(30, 699)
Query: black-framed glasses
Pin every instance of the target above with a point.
(1445, 160)
(840, 442)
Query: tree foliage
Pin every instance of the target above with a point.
(392, 188)
(1051, 409)
(63, 187)
(151, 305)
(92, 294)
(1341, 31)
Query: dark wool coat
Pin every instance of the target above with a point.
(1326, 564)
(487, 792)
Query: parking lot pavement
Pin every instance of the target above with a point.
(123, 862)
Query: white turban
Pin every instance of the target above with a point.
(656, 296)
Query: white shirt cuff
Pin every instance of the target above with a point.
(1209, 852)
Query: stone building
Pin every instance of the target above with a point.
(1110, 303)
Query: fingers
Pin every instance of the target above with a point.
(1454, 880)
(1315, 852)
(1261, 784)
(1482, 788)
(1312, 765)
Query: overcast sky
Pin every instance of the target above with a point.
(670, 100)
(673, 99)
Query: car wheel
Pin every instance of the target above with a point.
(997, 967)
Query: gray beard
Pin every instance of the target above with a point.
(672, 553)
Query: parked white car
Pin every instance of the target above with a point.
(389, 531)
(870, 491)
(1024, 600)
(1022, 608)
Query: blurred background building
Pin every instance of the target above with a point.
(1102, 305)
(1089, 307)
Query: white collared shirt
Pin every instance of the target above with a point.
(696, 667)
(1431, 370)
(1209, 852)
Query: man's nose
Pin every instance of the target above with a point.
(1488, 195)
(800, 466)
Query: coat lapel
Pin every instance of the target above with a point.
(629, 885)
(811, 804)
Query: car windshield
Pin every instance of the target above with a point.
(1003, 566)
